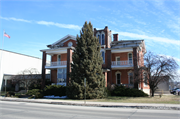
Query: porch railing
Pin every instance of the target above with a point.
(58, 63)
(121, 63)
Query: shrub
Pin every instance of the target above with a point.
(35, 86)
(123, 91)
(10, 93)
(56, 90)
(37, 93)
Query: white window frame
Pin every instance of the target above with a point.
(102, 33)
(58, 57)
(129, 75)
(144, 84)
(117, 61)
(118, 72)
(70, 43)
(98, 34)
(104, 55)
(118, 57)
(128, 57)
(57, 74)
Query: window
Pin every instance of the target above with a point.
(103, 40)
(130, 58)
(70, 44)
(117, 60)
(118, 78)
(99, 37)
(59, 58)
(145, 79)
(61, 75)
(130, 77)
(103, 56)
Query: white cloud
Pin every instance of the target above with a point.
(15, 19)
(154, 38)
(69, 26)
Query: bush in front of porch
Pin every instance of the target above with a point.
(129, 92)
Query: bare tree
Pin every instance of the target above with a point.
(27, 77)
(156, 69)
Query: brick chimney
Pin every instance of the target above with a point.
(115, 37)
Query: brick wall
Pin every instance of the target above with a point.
(54, 75)
(63, 57)
(123, 56)
(124, 76)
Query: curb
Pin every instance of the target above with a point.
(96, 105)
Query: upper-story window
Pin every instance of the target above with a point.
(103, 39)
(59, 58)
(99, 37)
(130, 58)
(70, 44)
(103, 56)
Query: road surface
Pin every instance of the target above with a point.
(24, 110)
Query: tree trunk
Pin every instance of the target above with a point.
(152, 92)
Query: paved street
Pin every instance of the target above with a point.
(23, 110)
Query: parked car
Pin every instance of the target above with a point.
(173, 91)
(178, 92)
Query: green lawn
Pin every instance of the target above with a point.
(165, 99)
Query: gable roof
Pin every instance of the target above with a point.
(64, 39)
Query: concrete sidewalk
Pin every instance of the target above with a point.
(96, 104)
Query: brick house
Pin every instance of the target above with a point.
(120, 59)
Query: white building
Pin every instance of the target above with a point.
(12, 63)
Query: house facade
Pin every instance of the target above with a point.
(120, 59)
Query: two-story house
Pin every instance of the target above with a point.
(121, 58)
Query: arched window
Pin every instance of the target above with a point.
(118, 78)
(103, 40)
(98, 36)
(130, 77)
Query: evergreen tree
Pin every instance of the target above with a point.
(87, 63)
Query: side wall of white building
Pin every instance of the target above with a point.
(13, 63)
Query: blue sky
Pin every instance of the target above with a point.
(33, 24)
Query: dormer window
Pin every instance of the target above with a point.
(70, 44)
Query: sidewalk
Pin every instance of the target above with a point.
(96, 104)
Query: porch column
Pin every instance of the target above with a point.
(109, 73)
(135, 66)
(69, 61)
(43, 70)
